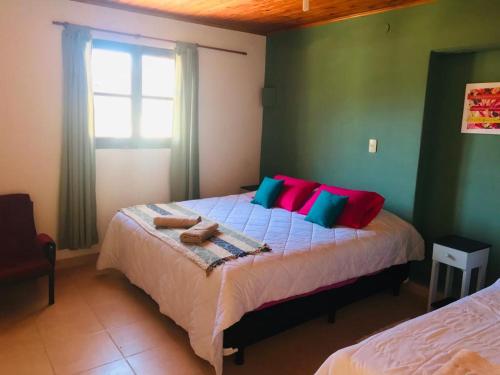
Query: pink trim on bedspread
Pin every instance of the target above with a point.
(320, 289)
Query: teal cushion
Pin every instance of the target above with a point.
(268, 191)
(326, 209)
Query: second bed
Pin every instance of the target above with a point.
(426, 345)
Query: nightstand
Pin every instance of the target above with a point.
(457, 252)
(249, 188)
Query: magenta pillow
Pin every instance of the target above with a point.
(294, 193)
(360, 209)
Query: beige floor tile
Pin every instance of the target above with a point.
(20, 332)
(78, 273)
(71, 355)
(67, 297)
(24, 359)
(103, 288)
(124, 311)
(119, 314)
(140, 336)
(120, 367)
(65, 292)
(169, 359)
(68, 323)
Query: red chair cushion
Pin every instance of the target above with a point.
(23, 265)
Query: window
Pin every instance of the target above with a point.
(133, 95)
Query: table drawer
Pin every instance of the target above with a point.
(450, 256)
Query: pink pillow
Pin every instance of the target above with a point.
(361, 208)
(294, 192)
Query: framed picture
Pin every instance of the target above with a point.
(482, 108)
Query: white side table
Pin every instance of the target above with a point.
(462, 253)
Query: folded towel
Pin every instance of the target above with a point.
(199, 233)
(176, 221)
(466, 362)
(226, 245)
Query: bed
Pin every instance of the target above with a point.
(305, 257)
(424, 344)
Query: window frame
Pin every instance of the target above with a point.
(136, 52)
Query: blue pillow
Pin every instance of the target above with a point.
(268, 191)
(326, 209)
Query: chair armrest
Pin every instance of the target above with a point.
(48, 246)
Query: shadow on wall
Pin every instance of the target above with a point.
(457, 172)
(295, 146)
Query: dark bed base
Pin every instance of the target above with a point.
(258, 325)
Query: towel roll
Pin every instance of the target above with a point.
(199, 233)
(176, 221)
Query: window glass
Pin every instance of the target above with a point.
(111, 72)
(158, 76)
(133, 94)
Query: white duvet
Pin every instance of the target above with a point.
(304, 257)
(424, 344)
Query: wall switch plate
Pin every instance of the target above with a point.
(372, 146)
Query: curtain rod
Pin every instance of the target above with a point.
(59, 23)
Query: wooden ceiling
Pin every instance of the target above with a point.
(257, 16)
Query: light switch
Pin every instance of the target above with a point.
(372, 145)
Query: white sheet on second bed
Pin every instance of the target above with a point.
(304, 257)
(423, 345)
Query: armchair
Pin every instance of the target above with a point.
(23, 253)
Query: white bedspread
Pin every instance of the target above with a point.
(424, 344)
(304, 257)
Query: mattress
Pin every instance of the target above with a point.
(424, 344)
(304, 257)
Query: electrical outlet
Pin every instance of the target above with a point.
(372, 146)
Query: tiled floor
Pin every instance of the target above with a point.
(101, 324)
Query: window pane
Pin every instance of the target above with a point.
(111, 71)
(158, 76)
(156, 118)
(112, 116)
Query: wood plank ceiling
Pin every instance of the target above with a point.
(257, 16)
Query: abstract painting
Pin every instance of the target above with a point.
(482, 108)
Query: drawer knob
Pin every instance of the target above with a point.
(450, 256)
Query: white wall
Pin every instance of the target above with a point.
(31, 111)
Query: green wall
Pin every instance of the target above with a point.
(459, 176)
(338, 85)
